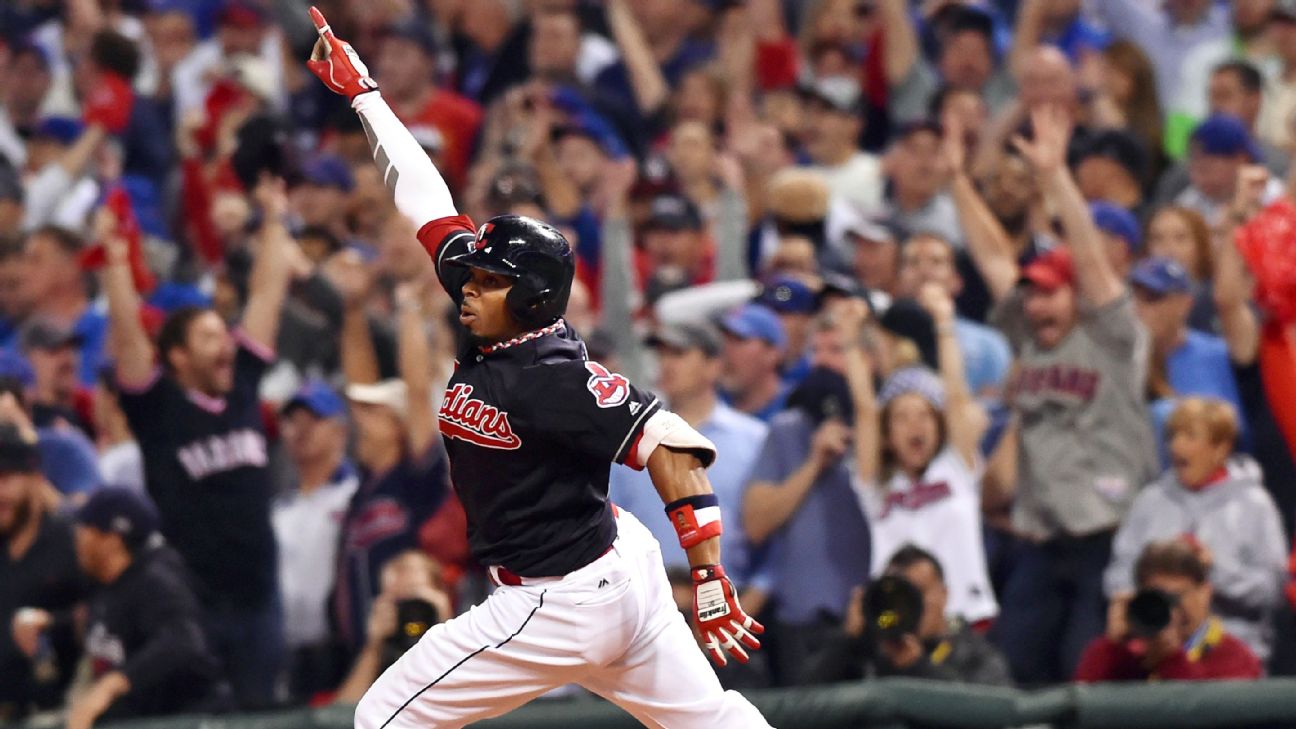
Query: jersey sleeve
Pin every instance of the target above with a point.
(147, 406)
(588, 408)
(444, 238)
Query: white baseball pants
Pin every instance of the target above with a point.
(611, 626)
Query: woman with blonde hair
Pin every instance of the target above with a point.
(1182, 235)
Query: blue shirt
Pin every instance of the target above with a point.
(823, 550)
(986, 356)
(771, 408)
(737, 437)
(92, 327)
(1201, 367)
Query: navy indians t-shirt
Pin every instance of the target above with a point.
(205, 467)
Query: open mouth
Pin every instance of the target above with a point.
(466, 315)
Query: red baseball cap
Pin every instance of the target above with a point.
(1051, 270)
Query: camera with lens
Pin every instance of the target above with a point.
(413, 618)
(892, 609)
(1149, 612)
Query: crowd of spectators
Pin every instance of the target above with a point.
(988, 305)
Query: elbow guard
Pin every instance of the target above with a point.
(695, 518)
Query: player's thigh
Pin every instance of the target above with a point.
(666, 681)
(494, 658)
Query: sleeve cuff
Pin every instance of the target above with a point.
(666, 428)
(259, 350)
(138, 388)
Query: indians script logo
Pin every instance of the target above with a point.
(609, 388)
(467, 418)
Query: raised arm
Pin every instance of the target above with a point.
(859, 377)
(1096, 281)
(900, 47)
(272, 269)
(415, 362)
(1027, 34)
(965, 419)
(988, 242)
(420, 192)
(348, 274)
(646, 79)
(132, 348)
(1233, 285)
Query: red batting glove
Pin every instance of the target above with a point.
(720, 619)
(109, 104)
(335, 62)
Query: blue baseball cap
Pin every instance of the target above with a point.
(317, 397)
(1161, 275)
(788, 295)
(753, 321)
(1224, 135)
(1116, 220)
(62, 129)
(120, 511)
(14, 365)
(328, 170)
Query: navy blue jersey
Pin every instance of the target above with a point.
(205, 468)
(532, 428)
(383, 520)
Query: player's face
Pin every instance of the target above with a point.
(913, 432)
(1194, 456)
(206, 362)
(484, 312)
(16, 491)
(1051, 313)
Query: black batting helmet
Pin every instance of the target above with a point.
(535, 255)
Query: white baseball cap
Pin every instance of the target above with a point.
(390, 393)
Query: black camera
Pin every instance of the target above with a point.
(892, 608)
(1150, 612)
(413, 618)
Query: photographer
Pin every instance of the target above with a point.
(1166, 630)
(898, 628)
(412, 600)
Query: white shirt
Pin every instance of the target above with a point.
(307, 526)
(123, 465)
(857, 180)
(941, 514)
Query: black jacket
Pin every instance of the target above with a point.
(146, 625)
(962, 656)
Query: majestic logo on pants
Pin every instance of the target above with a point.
(609, 388)
(467, 418)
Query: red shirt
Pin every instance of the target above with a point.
(457, 118)
(1224, 657)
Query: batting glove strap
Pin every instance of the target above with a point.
(695, 518)
(340, 68)
(724, 627)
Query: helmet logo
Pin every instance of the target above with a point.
(482, 232)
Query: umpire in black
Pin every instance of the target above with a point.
(144, 639)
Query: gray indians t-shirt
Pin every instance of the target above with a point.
(1086, 444)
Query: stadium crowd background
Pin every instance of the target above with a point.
(987, 304)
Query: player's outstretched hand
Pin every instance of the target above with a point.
(335, 62)
(725, 628)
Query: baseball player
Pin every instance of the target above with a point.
(532, 428)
